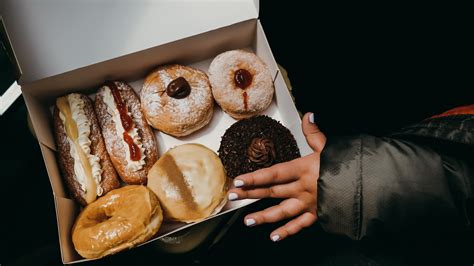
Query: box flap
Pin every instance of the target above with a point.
(66, 210)
(9, 88)
(9, 97)
(55, 36)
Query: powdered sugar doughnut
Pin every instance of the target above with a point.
(177, 99)
(241, 83)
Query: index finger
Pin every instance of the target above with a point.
(276, 174)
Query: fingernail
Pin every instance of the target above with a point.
(249, 222)
(238, 183)
(233, 196)
(311, 118)
(275, 238)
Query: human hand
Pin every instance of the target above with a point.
(295, 181)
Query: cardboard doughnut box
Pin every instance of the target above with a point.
(74, 47)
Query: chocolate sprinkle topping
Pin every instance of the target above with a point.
(238, 137)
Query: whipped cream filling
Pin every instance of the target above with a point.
(84, 129)
(133, 133)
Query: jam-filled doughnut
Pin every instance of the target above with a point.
(177, 99)
(255, 143)
(241, 83)
(129, 140)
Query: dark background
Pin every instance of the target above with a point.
(369, 67)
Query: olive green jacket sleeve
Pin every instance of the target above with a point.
(418, 180)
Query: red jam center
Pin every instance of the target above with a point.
(134, 149)
(126, 120)
(242, 78)
(246, 99)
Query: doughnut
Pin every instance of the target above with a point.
(241, 83)
(122, 219)
(177, 100)
(85, 165)
(190, 183)
(254, 143)
(129, 140)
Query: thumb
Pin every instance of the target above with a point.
(314, 136)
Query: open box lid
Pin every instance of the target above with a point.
(51, 37)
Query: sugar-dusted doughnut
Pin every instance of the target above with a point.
(241, 83)
(177, 99)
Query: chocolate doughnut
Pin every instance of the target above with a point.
(254, 143)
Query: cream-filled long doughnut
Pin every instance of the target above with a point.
(129, 139)
(84, 161)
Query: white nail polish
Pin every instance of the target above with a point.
(238, 183)
(275, 238)
(311, 118)
(249, 222)
(233, 196)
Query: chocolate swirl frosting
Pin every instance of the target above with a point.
(261, 151)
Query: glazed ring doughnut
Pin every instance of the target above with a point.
(177, 100)
(241, 83)
(123, 218)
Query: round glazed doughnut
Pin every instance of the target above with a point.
(177, 100)
(119, 220)
(241, 83)
(190, 182)
(255, 143)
